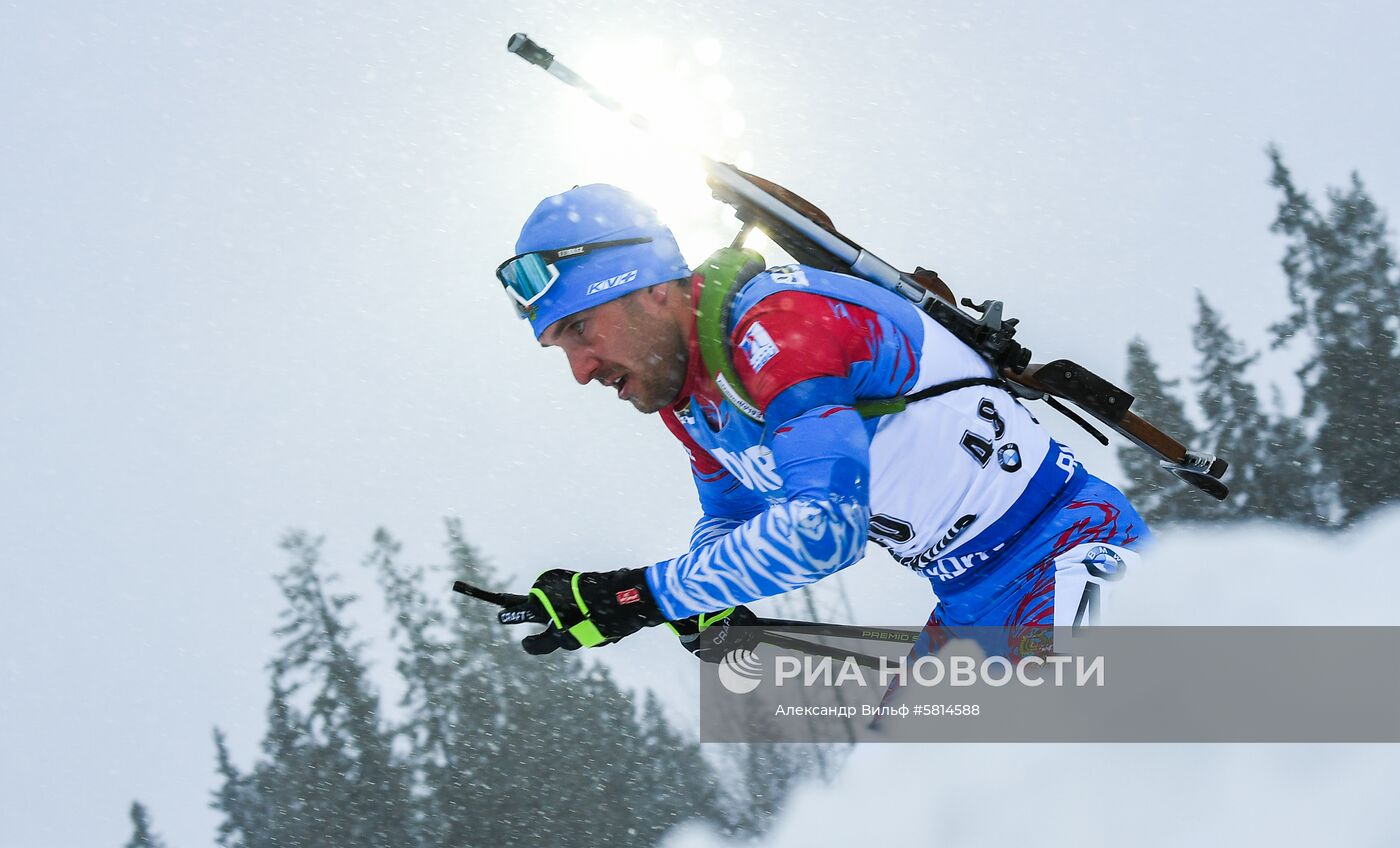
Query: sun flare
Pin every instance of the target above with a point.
(684, 94)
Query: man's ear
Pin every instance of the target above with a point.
(657, 295)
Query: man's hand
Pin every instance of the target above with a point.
(710, 636)
(585, 609)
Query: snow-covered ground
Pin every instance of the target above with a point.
(1146, 795)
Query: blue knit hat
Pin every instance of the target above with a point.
(594, 213)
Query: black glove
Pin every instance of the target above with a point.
(710, 636)
(584, 609)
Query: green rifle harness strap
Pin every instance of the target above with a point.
(722, 275)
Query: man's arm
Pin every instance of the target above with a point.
(724, 502)
(820, 449)
(818, 531)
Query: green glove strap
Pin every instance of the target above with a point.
(540, 596)
(587, 634)
(578, 599)
(585, 631)
(703, 621)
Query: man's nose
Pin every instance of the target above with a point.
(584, 365)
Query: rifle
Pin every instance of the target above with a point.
(807, 234)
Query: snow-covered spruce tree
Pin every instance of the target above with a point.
(511, 749)
(1297, 489)
(141, 834)
(1345, 292)
(1161, 498)
(770, 771)
(238, 799)
(329, 776)
(822, 602)
(1271, 475)
(680, 781)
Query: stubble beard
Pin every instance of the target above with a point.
(665, 378)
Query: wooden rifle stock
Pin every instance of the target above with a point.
(1109, 404)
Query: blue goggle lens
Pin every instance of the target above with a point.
(528, 276)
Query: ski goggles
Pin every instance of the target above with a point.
(529, 275)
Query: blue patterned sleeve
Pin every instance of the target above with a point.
(724, 505)
(823, 457)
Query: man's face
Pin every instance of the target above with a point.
(632, 344)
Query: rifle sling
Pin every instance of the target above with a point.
(722, 275)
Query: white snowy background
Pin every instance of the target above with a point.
(245, 284)
(1146, 795)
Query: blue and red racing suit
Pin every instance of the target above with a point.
(965, 488)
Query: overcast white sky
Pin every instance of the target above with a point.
(245, 284)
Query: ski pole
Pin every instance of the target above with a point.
(777, 639)
(817, 649)
(843, 631)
